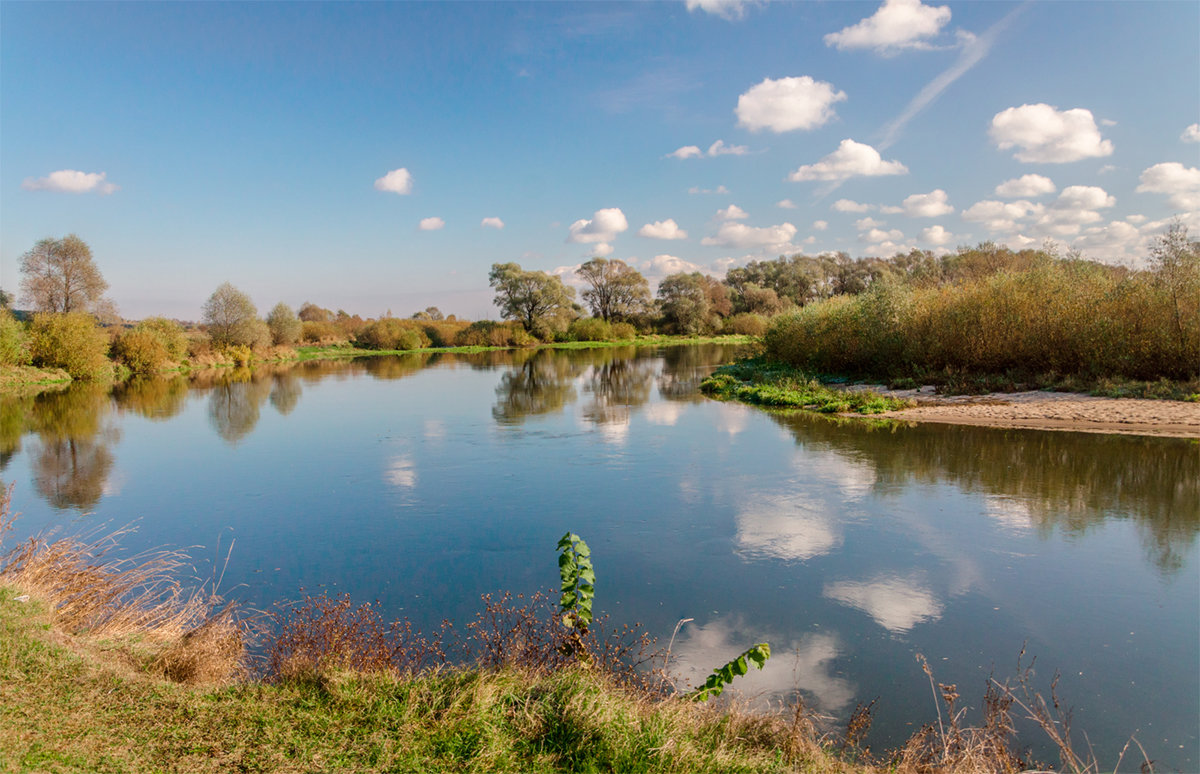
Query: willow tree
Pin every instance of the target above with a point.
(60, 276)
(539, 301)
(616, 290)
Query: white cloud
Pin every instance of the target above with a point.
(876, 236)
(1042, 133)
(1191, 134)
(897, 604)
(1136, 219)
(1084, 197)
(889, 209)
(730, 10)
(1001, 217)
(71, 181)
(495, 223)
(662, 229)
(719, 148)
(787, 103)
(739, 235)
(785, 204)
(851, 159)
(662, 265)
(732, 212)
(1117, 242)
(1181, 184)
(718, 190)
(848, 205)
(1025, 187)
(936, 235)
(601, 249)
(931, 205)
(397, 181)
(785, 527)
(431, 224)
(603, 227)
(687, 152)
(862, 224)
(897, 25)
(1075, 207)
(820, 225)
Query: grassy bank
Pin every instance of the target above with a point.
(769, 383)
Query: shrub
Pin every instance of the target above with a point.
(321, 332)
(441, 333)
(170, 334)
(285, 325)
(589, 329)
(199, 344)
(745, 324)
(623, 331)
(141, 351)
(71, 342)
(391, 333)
(14, 340)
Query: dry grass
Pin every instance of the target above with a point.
(91, 594)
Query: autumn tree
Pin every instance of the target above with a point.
(59, 275)
(232, 319)
(284, 324)
(616, 291)
(540, 301)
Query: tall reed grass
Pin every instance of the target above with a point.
(1065, 317)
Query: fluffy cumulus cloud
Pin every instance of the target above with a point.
(849, 205)
(936, 235)
(686, 152)
(662, 229)
(398, 181)
(878, 235)
(788, 103)
(931, 205)
(495, 223)
(431, 224)
(661, 265)
(719, 148)
(739, 235)
(1084, 197)
(820, 225)
(600, 249)
(1044, 134)
(1001, 217)
(603, 226)
(732, 212)
(785, 204)
(1026, 187)
(897, 25)
(1116, 242)
(851, 159)
(1191, 134)
(731, 10)
(862, 224)
(1181, 184)
(71, 181)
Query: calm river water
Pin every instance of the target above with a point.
(851, 547)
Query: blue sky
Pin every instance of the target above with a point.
(383, 155)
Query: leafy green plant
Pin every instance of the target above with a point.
(578, 581)
(723, 676)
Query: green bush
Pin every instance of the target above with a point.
(141, 351)
(170, 334)
(14, 340)
(623, 331)
(745, 324)
(285, 326)
(391, 333)
(488, 333)
(589, 329)
(71, 342)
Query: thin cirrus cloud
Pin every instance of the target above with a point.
(603, 226)
(398, 181)
(897, 25)
(662, 229)
(1026, 187)
(787, 104)
(1042, 133)
(495, 223)
(851, 159)
(431, 224)
(71, 181)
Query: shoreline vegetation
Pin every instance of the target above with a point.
(141, 674)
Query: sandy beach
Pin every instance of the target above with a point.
(1052, 411)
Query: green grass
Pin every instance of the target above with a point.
(766, 383)
(67, 705)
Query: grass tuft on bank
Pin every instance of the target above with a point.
(768, 383)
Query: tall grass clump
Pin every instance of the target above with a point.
(1064, 317)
